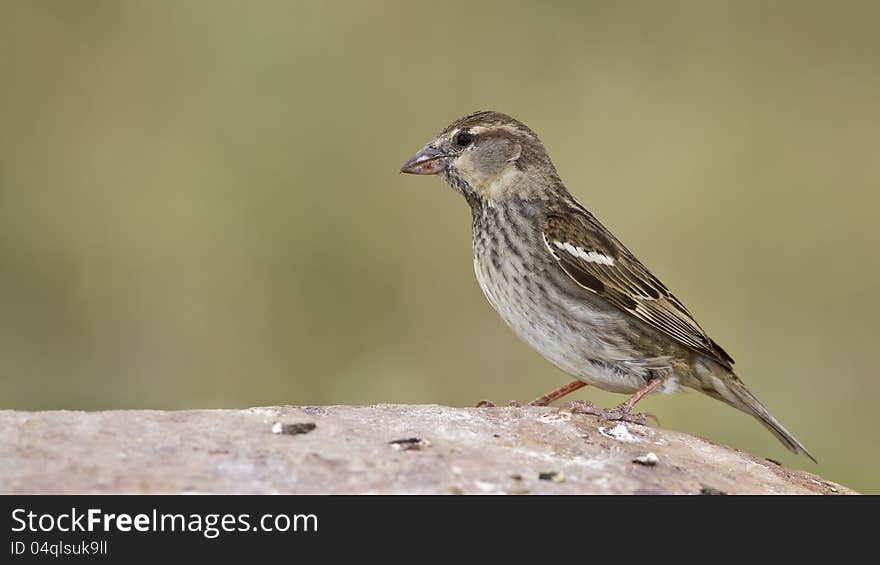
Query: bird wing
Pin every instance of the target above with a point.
(598, 262)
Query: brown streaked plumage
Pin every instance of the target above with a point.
(566, 285)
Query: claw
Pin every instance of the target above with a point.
(619, 413)
(582, 407)
(650, 416)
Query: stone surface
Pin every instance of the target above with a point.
(372, 449)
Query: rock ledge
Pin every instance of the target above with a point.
(422, 449)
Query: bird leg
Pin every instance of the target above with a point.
(543, 400)
(554, 395)
(623, 411)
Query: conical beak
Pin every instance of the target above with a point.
(428, 161)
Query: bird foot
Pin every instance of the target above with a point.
(490, 404)
(621, 413)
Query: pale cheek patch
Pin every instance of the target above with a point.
(491, 187)
(504, 181)
(588, 256)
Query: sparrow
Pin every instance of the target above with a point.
(567, 286)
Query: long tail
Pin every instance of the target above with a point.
(726, 386)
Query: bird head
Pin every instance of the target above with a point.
(487, 156)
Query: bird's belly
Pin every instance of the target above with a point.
(570, 334)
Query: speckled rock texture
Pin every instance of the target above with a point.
(422, 449)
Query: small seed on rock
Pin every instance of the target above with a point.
(409, 444)
(552, 476)
(712, 491)
(293, 429)
(648, 459)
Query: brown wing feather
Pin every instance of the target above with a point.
(598, 262)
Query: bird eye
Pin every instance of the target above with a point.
(463, 139)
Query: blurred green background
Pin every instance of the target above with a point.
(200, 203)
